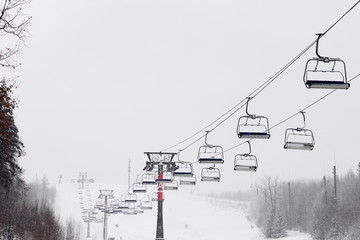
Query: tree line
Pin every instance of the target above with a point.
(327, 208)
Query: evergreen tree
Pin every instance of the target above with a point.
(279, 225)
(269, 227)
(10, 145)
(335, 232)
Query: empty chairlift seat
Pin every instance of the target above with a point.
(300, 139)
(130, 197)
(123, 205)
(174, 185)
(245, 162)
(154, 196)
(165, 177)
(149, 178)
(190, 180)
(146, 204)
(184, 169)
(139, 188)
(325, 72)
(211, 154)
(253, 126)
(210, 174)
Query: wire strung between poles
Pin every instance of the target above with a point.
(257, 90)
(285, 120)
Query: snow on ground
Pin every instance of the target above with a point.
(186, 217)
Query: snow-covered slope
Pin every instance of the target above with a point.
(186, 217)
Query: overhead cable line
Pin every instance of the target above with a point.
(257, 90)
(288, 118)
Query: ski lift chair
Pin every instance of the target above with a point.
(253, 126)
(154, 196)
(130, 197)
(166, 177)
(138, 210)
(299, 138)
(210, 174)
(174, 185)
(114, 203)
(190, 180)
(146, 204)
(324, 72)
(99, 202)
(149, 178)
(123, 205)
(210, 153)
(183, 169)
(139, 188)
(246, 161)
(129, 212)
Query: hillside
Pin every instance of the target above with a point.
(186, 217)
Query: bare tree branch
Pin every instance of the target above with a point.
(13, 23)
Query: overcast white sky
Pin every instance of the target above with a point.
(103, 81)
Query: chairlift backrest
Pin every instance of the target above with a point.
(245, 162)
(130, 197)
(184, 169)
(210, 174)
(329, 74)
(149, 178)
(256, 127)
(146, 204)
(174, 185)
(139, 188)
(123, 205)
(253, 126)
(299, 138)
(211, 154)
(190, 180)
(166, 177)
(324, 72)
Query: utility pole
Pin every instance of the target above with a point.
(289, 206)
(88, 225)
(105, 194)
(335, 182)
(325, 193)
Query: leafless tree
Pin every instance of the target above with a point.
(13, 23)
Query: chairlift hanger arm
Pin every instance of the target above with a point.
(303, 115)
(249, 147)
(247, 108)
(317, 48)
(206, 135)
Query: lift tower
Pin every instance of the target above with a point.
(162, 162)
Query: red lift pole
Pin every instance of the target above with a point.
(160, 160)
(160, 224)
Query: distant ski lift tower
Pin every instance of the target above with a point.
(129, 171)
(82, 178)
(164, 163)
(105, 194)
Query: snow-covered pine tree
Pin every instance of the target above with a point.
(268, 231)
(335, 231)
(279, 225)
